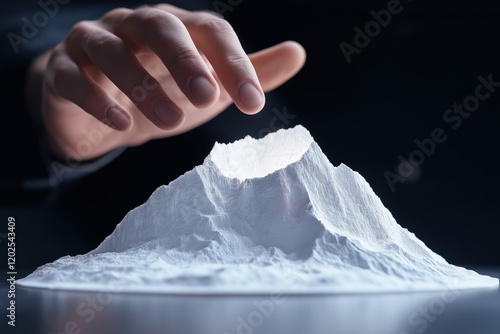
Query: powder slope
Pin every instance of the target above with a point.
(260, 216)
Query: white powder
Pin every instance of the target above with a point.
(260, 216)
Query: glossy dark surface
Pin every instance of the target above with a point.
(445, 312)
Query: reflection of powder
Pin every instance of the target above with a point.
(260, 216)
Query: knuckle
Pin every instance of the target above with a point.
(153, 19)
(105, 44)
(213, 24)
(60, 79)
(238, 60)
(185, 57)
(79, 30)
(115, 15)
(165, 7)
(141, 8)
(78, 36)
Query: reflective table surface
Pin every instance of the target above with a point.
(69, 312)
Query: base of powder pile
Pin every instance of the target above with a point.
(127, 273)
(260, 216)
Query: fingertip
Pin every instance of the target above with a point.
(296, 53)
(204, 92)
(169, 116)
(118, 119)
(296, 48)
(251, 98)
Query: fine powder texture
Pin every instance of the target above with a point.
(260, 216)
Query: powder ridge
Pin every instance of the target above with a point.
(260, 216)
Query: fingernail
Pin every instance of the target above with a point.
(249, 95)
(166, 112)
(118, 119)
(201, 88)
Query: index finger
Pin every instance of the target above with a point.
(217, 40)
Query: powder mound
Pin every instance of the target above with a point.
(260, 216)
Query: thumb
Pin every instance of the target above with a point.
(277, 64)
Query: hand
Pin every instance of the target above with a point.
(149, 73)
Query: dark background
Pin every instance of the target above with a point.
(364, 114)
